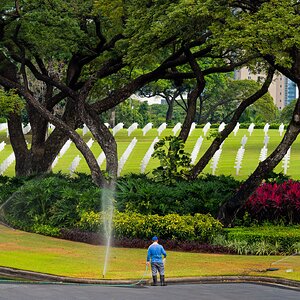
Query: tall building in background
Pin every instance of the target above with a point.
(291, 91)
(282, 89)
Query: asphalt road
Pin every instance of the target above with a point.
(225, 291)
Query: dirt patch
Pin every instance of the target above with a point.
(11, 231)
(61, 251)
(13, 247)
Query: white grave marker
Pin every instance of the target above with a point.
(51, 126)
(117, 128)
(239, 159)
(7, 162)
(101, 158)
(3, 126)
(74, 164)
(263, 153)
(65, 147)
(215, 160)
(285, 161)
(266, 128)
(161, 128)
(236, 128)
(193, 126)
(132, 127)
(26, 129)
(281, 129)
(266, 140)
(206, 128)
(221, 127)
(147, 128)
(125, 155)
(2, 145)
(90, 142)
(148, 155)
(54, 162)
(196, 150)
(85, 130)
(251, 128)
(244, 141)
(176, 128)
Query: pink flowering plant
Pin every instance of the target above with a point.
(275, 202)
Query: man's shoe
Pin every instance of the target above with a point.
(154, 283)
(162, 280)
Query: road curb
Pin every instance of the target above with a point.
(23, 276)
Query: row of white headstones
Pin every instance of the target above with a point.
(145, 161)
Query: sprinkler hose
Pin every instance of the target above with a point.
(134, 284)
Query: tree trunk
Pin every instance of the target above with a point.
(169, 114)
(204, 160)
(104, 138)
(39, 127)
(96, 173)
(199, 117)
(230, 209)
(112, 119)
(18, 143)
(190, 114)
(39, 158)
(192, 99)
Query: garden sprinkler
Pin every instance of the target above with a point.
(280, 260)
(272, 269)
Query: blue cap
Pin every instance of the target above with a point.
(155, 238)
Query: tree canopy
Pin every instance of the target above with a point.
(90, 56)
(72, 61)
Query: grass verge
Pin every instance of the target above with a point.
(38, 253)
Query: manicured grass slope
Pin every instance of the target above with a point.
(49, 255)
(226, 162)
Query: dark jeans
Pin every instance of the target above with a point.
(156, 266)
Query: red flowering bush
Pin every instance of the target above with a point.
(275, 202)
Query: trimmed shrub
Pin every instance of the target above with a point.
(199, 228)
(262, 240)
(46, 230)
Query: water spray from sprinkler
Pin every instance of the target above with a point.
(108, 210)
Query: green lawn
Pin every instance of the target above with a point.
(226, 162)
(54, 256)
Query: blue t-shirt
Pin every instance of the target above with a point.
(155, 253)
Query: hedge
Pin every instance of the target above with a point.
(199, 227)
(284, 237)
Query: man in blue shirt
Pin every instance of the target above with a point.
(154, 254)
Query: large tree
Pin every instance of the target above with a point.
(75, 48)
(271, 29)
